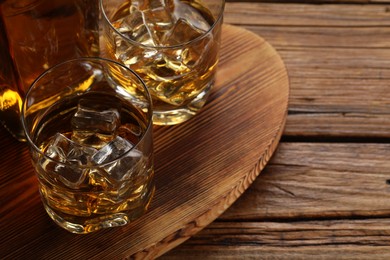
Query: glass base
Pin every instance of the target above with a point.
(179, 115)
(85, 225)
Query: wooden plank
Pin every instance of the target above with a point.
(331, 63)
(331, 125)
(250, 252)
(339, 95)
(315, 1)
(332, 239)
(307, 15)
(363, 37)
(341, 88)
(319, 180)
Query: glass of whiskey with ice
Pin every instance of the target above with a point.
(172, 44)
(88, 123)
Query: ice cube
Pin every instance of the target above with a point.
(91, 139)
(191, 15)
(118, 159)
(95, 122)
(181, 32)
(67, 157)
(126, 52)
(135, 27)
(159, 21)
(146, 21)
(144, 5)
(64, 150)
(131, 132)
(112, 150)
(96, 117)
(97, 178)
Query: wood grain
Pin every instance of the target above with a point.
(338, 63)
(202, 166)
(312, 199)
(324, 196)
(310, 36)
(315, 1)
(319, 180)
(330, 239)
(342, 126)
(292, 14)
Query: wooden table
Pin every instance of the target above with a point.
(325, 193)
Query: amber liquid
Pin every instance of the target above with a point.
(36, 35)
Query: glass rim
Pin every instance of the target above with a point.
(175, 46)
(94, 59)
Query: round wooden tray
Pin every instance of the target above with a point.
(202, 165)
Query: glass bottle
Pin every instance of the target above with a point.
(36, 35)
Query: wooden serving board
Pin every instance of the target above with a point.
(202, 166)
